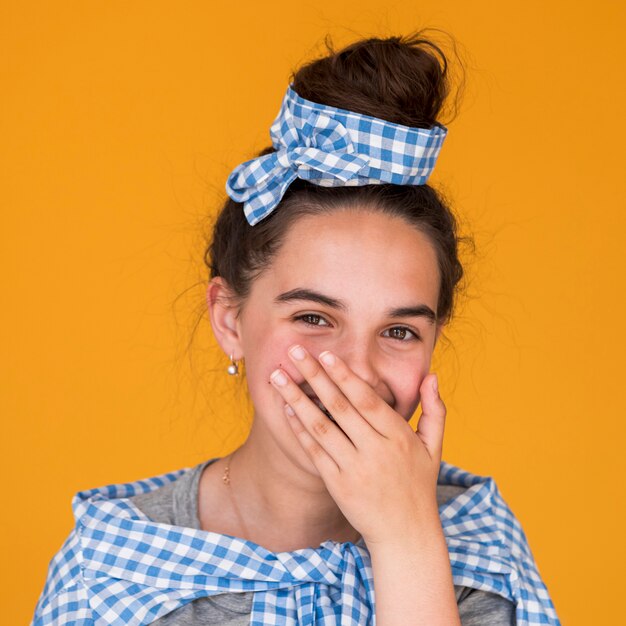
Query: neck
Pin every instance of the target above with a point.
(284, 505)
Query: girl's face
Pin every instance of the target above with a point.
(363, 285)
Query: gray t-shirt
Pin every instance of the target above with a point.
(177, 503)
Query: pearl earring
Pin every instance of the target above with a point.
(233, 368)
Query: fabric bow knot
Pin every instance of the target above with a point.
(321, 147)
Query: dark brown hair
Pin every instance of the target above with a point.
(400, 79)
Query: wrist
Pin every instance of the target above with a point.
(419, 532)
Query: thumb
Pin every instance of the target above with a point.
(433, 418)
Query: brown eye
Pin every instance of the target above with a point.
(401, 333)
(312, 319)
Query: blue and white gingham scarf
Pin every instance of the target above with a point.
(117, 567)
(332, 147)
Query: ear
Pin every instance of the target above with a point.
(224, 316)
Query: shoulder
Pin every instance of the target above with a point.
(470, 501)
(158, 505)
(175, 503)
(64, 595)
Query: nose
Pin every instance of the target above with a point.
(361, 357)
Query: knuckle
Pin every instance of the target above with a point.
(405, 442)
(320, 427)
(404, 435)
(315, 450)
(339, 404)
(369, 401)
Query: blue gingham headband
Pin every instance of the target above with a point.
(332, 147)
(119, 568)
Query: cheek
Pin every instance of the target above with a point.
(266, 352)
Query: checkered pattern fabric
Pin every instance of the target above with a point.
(331, 147)
(117, 567)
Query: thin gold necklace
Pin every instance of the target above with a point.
(226, 481)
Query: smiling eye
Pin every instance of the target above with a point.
(312, 319)
(401, 333)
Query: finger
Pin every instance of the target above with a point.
(432, 421)
(323, 430)
(325, 465)
(365, 400)
(330, 396)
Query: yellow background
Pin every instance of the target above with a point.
(119, 123)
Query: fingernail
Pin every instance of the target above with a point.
(435, 385)
(297, 352)
(278, 378)
(289, 410)
(327, 357)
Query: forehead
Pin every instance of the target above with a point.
(352, 254)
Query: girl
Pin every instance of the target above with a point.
(333, 270)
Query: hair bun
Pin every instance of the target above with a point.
(398, 79)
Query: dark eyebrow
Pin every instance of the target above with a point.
(415, 311)
(313, 296)
(310, 295)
